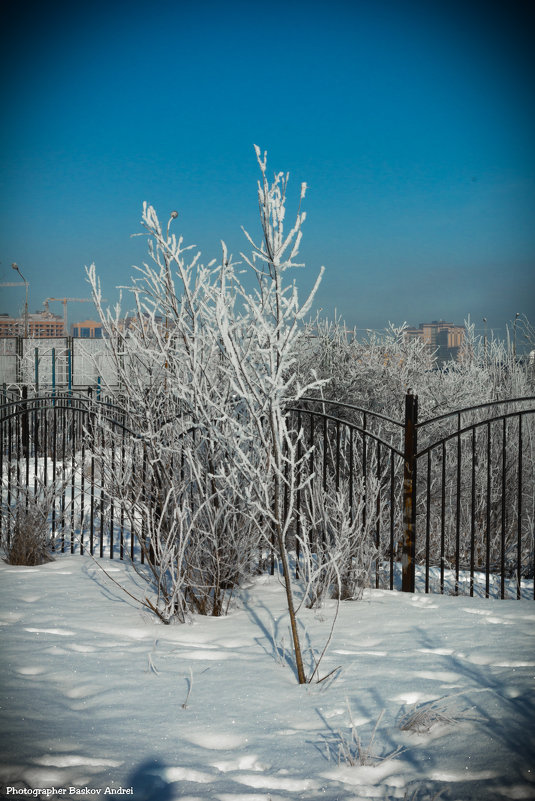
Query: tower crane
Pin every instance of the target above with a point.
(65, 301)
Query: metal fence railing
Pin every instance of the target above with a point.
(449, 503)
(55, 363)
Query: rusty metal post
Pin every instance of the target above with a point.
(409, 494)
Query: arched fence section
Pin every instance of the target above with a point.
(354, 472)
(449, 501)
(50, 449)
(474, 497)
(446, 504)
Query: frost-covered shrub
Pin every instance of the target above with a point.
(376, 371)
(26, 526)
(205, 369)
(337, 543)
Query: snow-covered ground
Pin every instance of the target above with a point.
(98, 696)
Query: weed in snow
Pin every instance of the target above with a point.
(421, 718)
(350, 750)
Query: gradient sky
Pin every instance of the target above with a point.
(413, 124)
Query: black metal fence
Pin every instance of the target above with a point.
(475, 493)
(449, 503)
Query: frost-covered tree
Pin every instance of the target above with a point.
(206, 372)
(376, 371)
(373, 372)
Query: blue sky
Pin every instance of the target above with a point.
(413, 124)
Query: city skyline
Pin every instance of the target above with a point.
(411, 125)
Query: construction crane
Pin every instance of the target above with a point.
(65, 301)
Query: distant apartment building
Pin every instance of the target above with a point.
(133, 322)
(41, 324)
(443, 339)
(88, 329)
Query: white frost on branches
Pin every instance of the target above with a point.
(206, 373)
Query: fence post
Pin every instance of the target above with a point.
(19, 350)
(409, 494)
(53, 376)
(36, 369)
(69, 371)
(25, 428)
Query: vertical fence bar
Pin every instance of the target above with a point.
(519, 515)
(324, 478)
(300, 434)
(35, 435)
(364, 472)
(443, 518)
(286, 478)
(392, 518)
(504, 516)
(84, 417)
(19, 359)
(325, 440)
(351, 471)
(122, 474)
(312, 460)
(488, 510)
(45, 445)
(427, 521)
(101, 478)
(92, 473)
(73, 411)
(18, 484)
(9, 480)
(2, 427)
(54, 463)
(458, 508)
(63, 434)
(25, 425)
(112, 474)
(54, 376)
(409, 494)
(337, 474)
(473, 514)
(25, 422)
(133, 515)
(146, 500)
(378, 516)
